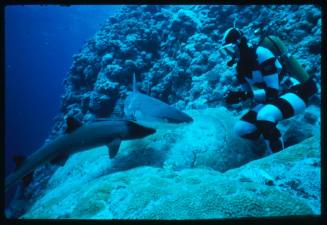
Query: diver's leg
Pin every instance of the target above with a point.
(284, 107)
(246, 127)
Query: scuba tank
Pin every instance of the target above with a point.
(307, 87)
(288, 61)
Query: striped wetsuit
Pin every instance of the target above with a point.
(274, 97)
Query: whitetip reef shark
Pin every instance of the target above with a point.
(78, 137)
(143, 108)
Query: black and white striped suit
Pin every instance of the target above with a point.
(272, 103)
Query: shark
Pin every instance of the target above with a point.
(78, 137)
(146, 109)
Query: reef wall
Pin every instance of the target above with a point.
(173, 50)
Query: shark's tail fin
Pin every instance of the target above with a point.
(134, 83)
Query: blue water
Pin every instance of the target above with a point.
(39, 44)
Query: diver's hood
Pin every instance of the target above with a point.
(232, 35)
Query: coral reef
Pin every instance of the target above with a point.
(173, 50)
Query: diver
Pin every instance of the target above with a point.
(276, 95)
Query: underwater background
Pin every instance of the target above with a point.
(39, 44)
(61, 62)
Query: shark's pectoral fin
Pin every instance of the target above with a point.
(113, 147)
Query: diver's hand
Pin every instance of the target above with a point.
(234, 97)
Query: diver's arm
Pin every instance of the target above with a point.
(233, 97)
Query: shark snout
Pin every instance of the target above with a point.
(187, 118)
(148, 131)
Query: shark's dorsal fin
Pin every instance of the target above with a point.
(148, 89)
(134, 84)
(72, 124)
